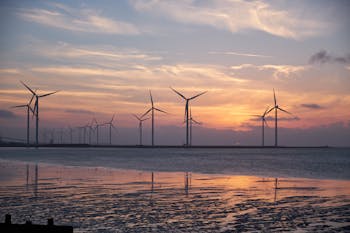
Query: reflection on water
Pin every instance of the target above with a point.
(108, 200)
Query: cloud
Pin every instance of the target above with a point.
(99, 53)
(78, 20)
(9, 71)
(323, 56)
(278, 71)
(235, 15)
(283, 70)
(6, 114)
(312, 106)
(270, 118)
(241, 54)
(78, 111)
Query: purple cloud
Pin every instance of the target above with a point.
(323, 56)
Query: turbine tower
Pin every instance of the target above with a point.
(263, 123)
(29, 109)
(140, 119)
(187, 118)
(36, 110)
(276, 108)
(110, 123)
(152, 110)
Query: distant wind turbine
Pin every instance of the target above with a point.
(152, 110)
(276, 108)
(110, 123)
(263, 123)
(89, 126)
(70, 134)
(36, 109)
(97, 130)
(192, 120)
(187, 118)
(140, 119)
(29, 109)
(81, 134)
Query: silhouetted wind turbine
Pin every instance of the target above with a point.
(90, 129)
(97, 130)
(29, 108)
(36, 109)
(186, 110)
(140, 119)
(70, 134)
(110, 123)
(276, 107)
(192, 120)
(263, 123)
(152, 110)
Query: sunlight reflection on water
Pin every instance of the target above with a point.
(115, 200)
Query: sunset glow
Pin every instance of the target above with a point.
(105, 56)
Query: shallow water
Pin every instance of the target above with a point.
(324, 163)
(100, 199)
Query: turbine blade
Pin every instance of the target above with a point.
(20, 106)
(150, 94)
(159, 110)
(265, 122)
(28, 88)
(284, 110)
(270, 110)
(186, 111)
(193, 97)
(255, 115)
(112, 118)
(145, 119)
(36, 106)
(136, 117)
(146, 112)
(31, 109)
(198, 123)
(178, 93)
(266, 111)
(51, 93)
(31, 99)
(274, 96)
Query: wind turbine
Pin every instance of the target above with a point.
(276, 108)
(110, 123)
(97, 129)
(36, 109)
(152, 110)
(263, 123)
(192, 120)
(29, 108)
(90, 129)
(186, 110)
(140, 119)
(70, 134)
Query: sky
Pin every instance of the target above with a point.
(105, 56)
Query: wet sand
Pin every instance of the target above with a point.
(98, 199)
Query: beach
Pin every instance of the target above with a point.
(109, 192)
